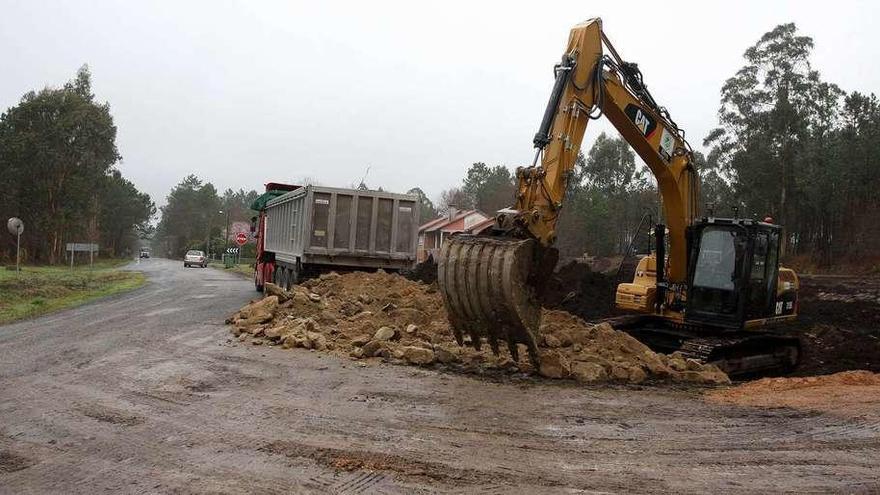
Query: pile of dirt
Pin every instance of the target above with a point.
(385, 316)
(849, 393)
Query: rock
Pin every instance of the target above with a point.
(356, 353)
(654, 363)
(445, 356)
(637, 375)
(588, 372)
(365, 299)
(551, 341)
(384, 333)
(314, 297)
(257, 342)
(417, 355)
(349, 308)
(259, 312)
(619, 372)
(360, 340)
(389, 307)
(412, 328)
(317, 340)
(577, 347)
(373, 347)
(310, 325)
(693, 365)
(242, 337)
(275, 290)
(554, 365)
(677, 362)
(275, 332)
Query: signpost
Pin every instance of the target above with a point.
(74, 247)
(241, 239)
(16, 227)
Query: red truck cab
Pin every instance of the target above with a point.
(265, 264)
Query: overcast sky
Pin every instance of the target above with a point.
(242, 93)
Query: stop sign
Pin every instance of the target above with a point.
(241, 238)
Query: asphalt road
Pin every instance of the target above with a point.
(146, 393)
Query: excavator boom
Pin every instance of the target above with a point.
(492, 284)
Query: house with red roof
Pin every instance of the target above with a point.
(433, 233)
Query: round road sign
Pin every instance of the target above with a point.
(241, 238)
(15, 226)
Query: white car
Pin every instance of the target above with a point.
(195, 258)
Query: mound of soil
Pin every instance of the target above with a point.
(849, 393)
(386, 316)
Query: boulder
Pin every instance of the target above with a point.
(360, 340)
(384, 333)
(259, 312)
(552, 341)
(588, 372)
(417, 355)
(316, 340)
(373, 347)
(554, 365)
(276, 290)
(445, 356)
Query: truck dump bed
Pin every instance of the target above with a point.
(317, 225)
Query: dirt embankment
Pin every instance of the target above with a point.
(839, 324)
(848, 393)
(385, 316)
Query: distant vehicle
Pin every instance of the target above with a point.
(145, 253)
(195, 258)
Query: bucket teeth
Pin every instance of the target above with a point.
(484, 282)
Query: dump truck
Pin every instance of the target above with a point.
(303, 231)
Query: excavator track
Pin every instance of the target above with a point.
(736, 353)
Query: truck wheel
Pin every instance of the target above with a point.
(282, 278)
(276, 275)
(294, 274)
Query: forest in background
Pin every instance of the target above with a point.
(57, 173)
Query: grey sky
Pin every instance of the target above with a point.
(241, 93)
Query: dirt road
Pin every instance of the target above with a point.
(144, 393)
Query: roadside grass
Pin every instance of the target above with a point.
(42, 289)
(244, 269)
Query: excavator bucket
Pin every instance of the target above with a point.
(487, 286)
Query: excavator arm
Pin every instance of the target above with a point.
(491, 284)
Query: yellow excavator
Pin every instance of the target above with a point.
(712, 288)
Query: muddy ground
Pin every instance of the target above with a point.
(147, 393)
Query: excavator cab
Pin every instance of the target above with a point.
(734, 275)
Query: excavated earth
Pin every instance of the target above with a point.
(384, 316)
